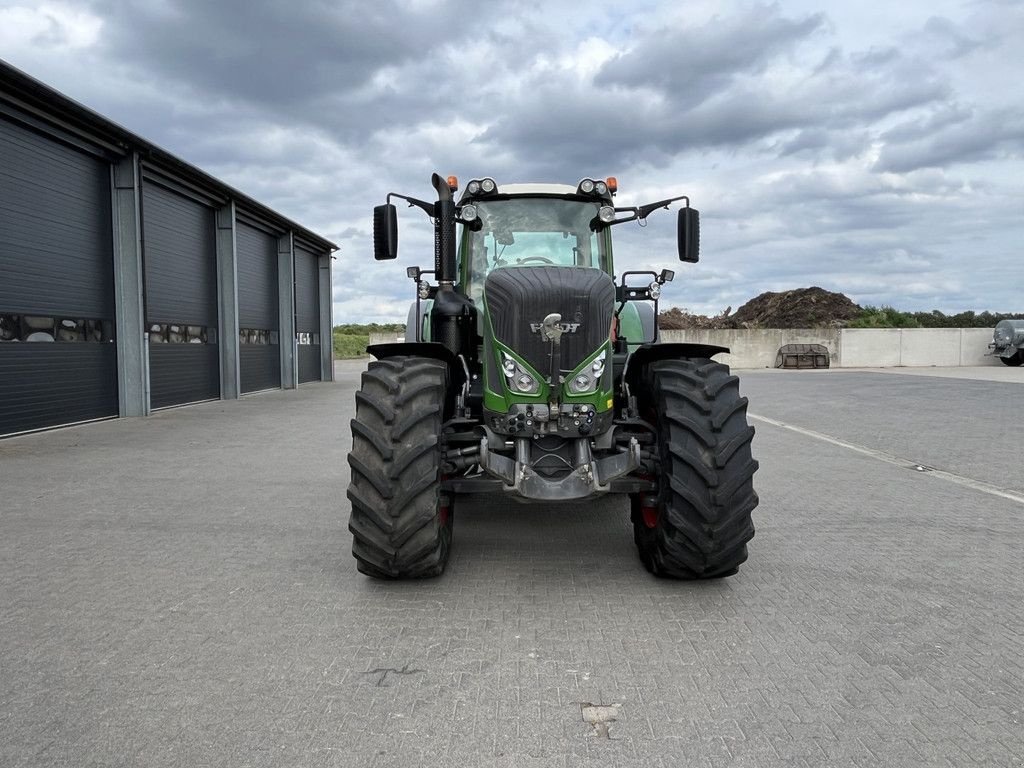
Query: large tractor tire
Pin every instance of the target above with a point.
(1017, 358)
(698, 524)
(401, 522)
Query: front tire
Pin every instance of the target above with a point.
(1014, 360)
(698, 524)
(401, 522)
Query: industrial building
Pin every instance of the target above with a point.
(131, 280)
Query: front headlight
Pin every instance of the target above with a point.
(585, 381)
(526, 384)
(516, 378)
(581, 383)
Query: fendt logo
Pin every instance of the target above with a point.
(566, 327)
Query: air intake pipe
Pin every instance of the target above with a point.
(444, 232)
(453, 317)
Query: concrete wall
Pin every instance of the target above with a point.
(874, 348)
(851, 347)
(913, 347)
(758, 348)
(848, 348)
(974, 346)
(386, 338)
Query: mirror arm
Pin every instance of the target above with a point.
(646, 210)
(428, 208)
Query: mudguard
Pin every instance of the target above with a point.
(646, 354)
(431, 349)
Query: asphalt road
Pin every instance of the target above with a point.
(178, 591)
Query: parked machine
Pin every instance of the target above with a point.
(529, 372)
(1008, 342)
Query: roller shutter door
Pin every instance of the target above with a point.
(58, 363)
(259, 348)
(181, 297)
(307, 313)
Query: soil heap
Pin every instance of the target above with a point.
(800, 308)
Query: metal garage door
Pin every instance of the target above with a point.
(58, 363)
(259, 349)
(307, 313)
(181, 297)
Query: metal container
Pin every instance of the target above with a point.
(1008, 333)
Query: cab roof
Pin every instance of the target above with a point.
(534, 188)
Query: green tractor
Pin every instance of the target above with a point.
(528, 372)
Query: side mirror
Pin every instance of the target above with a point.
(385, 232)
(688, 235)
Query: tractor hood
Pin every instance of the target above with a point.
(517, 299)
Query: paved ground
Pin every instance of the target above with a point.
(993, 372)
(178, 591)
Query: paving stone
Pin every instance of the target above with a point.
(179, 591)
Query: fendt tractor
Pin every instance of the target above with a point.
(529, 373)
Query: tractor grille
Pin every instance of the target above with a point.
(520, 297)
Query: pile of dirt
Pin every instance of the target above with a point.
(800, 308)
(677, 319)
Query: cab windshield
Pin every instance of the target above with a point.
(531, 231)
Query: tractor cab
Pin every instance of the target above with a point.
(530, 225)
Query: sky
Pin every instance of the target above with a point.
(871, 148)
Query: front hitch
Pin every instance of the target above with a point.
(589, 477)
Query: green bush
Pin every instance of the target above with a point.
(348, 345)
(368, 328)
(884, 317)
(887, 317)
(350, 339)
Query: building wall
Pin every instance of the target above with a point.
(56, 156)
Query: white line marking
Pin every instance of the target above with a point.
(967, 482)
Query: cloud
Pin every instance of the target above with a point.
(862, 151)
(967, 137)
(696, 61)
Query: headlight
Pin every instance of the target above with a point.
(468, 212)
(601, 188)
(606, 213)
(582, 383)
(525, 383)
(586, 186)
(654, 290)
(516, 378)
(473, 188)
(586, 381)
(488, 186)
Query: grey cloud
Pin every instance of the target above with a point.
(564, 120)
(988, 134)
(949, 38)
(320, 109)
(270, 52)
(698, 61)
